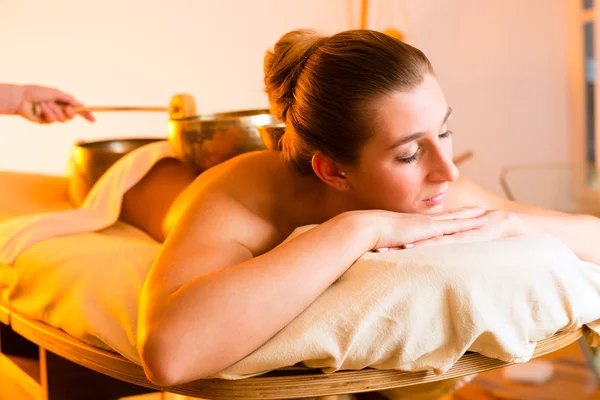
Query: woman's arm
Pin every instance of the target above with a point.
(579, 232)
(207, 303)
(206, 306)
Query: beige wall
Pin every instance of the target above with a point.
(501, 63)
(502, 66)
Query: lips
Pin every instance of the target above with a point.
(435, 200)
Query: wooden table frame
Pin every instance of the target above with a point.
(71, 369)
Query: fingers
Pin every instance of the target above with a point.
(69, 112)
(428, 228)
(465, 212)
(460, 237)
(62, 97)
(72, 103)
(53, 105)
(58, 112)
(52, 112)
(88, 116)
(452, 226)
(47, 112)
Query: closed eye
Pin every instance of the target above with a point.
(415, 156)
(410, 159)
(446, 134)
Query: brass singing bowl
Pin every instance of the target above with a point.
(89, 160)
(204, 141)
(201, 141)
(271, 135)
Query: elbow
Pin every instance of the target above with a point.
(159, 366)
(166, 363)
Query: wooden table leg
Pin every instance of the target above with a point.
(62, 379)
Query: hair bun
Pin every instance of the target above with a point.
(283, 66)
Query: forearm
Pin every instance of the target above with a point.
(579, 232)
(10, 96)
(221, 317)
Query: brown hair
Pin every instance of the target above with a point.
(322, 87)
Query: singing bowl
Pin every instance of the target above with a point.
(201, 141)
(271, 135)
(89, 160)
(204, 141)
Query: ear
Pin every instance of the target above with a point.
(327, 171)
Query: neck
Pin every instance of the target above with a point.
(316, 202)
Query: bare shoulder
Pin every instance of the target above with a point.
(248, 168)
(250, 179)
(233, 201)
(463, 193)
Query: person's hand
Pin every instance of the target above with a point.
(398, 230)
(52, 105)
(500, 224)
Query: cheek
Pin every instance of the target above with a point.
(406, 182)
(396, 187)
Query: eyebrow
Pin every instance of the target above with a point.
(417, 135)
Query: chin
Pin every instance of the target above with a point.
(428, 210)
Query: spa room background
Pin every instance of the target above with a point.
(501, 64)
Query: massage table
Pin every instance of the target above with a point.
(59, 350)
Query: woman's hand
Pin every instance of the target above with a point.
(398, 230)
(500, 224)
(54, 105)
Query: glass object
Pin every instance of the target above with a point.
(559, 187)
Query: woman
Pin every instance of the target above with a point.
(367, 155)
(20, 99)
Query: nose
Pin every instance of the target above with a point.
(442, 166)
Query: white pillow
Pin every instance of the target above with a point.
(411, 310)
(423, 308)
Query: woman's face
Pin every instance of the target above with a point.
(407, 165)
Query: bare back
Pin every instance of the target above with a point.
(253, 193)
(231, 213)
